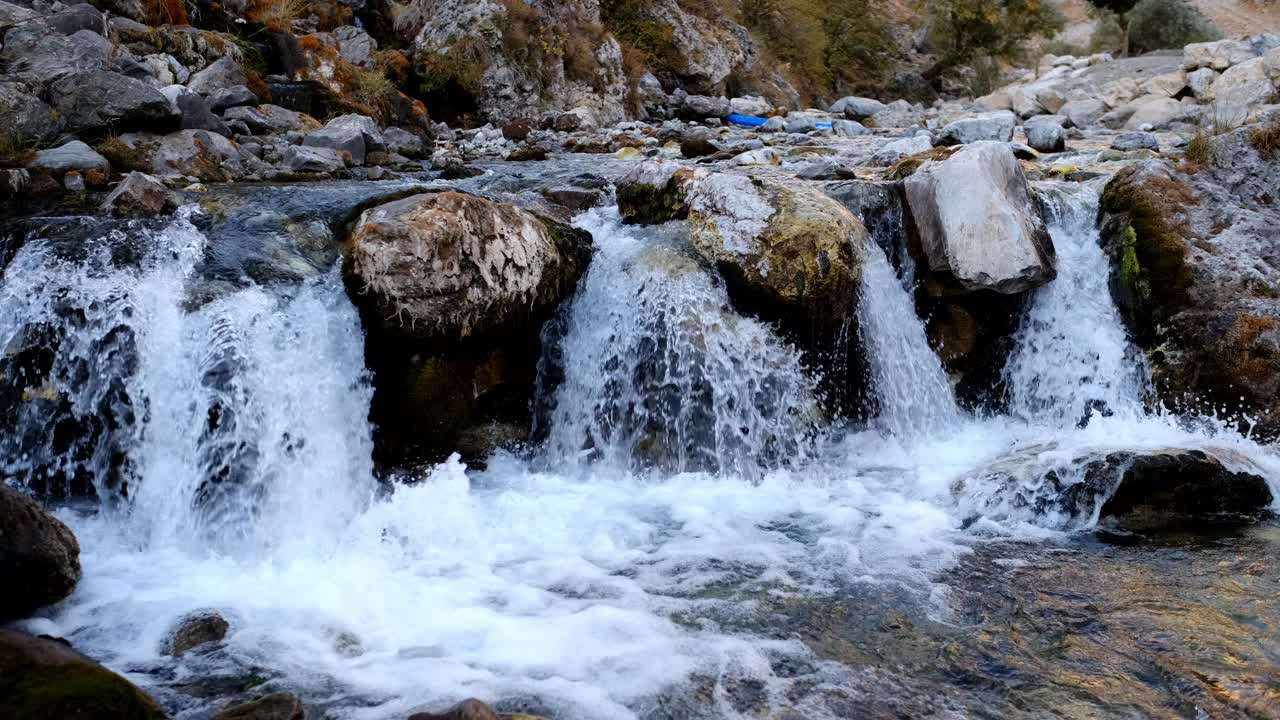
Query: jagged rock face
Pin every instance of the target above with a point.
(978, 225)
(454, 290)
(546, 57)
(1195, 267)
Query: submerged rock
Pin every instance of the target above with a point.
(42, 677)
(979, 227)
(195, 630)
(39, 557)
(276, 706)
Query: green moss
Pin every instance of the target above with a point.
(68, 690)
(1130, 268)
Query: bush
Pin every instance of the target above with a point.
(276, 15)
(1266, 139)
(962, 30)
(1109, 35)
(639, 32)
(1161, 24)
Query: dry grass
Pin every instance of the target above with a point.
(1200, 148)
(277, 15)
(15, 150)
(1266, 139)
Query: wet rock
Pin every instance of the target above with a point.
(1175, 488)
(857, 108)
(470, 709)
(456, 170)
(195, 630)
(138, 195)
(789, 254)
(42, 677)
(276, 706)
(1135, 141)
(97, 101)
(1046, 137)
(1193, 272)
(529, 153)
(575, 199)
(987, 126)
(223, 74)
(454, 290)
(39, 557)
(979, 227)
(305, 159)
(654, 192)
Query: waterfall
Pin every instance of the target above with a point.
(1072, 356)
(237, 425)
(911, 386)
(660, 372)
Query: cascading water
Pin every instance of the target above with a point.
(914, 394)
(631, 568)
(1073, 357)
(660, 372)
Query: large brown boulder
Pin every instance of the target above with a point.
(454, 289)
(39, 557)
(42, 677)
(1195, 267)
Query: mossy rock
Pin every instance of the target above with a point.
(44, 678)
(1147, 234)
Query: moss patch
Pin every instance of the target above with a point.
(42, 679)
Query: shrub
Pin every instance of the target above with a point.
(276, 15)
(15, 150)
(371, 92)
(639, 32)
(1200, 148)
(1266, 139)
(462, 64)
(961, 30)
(1108, 36)
(1160, 24)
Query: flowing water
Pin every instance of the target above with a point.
(686, 544)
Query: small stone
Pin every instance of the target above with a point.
(698, 143)
(73, 182)
(1046, 137)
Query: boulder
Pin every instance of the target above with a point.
(979, 226)
(267, 119)
(276, 706)
(701, 107)
(454, 290)
(848, 128)
(774, 124)
(355, 45)
(236, 96)
(1201, 81)
(1135, 141)
(195, 630)
(1175, 488)
(751, 105)
(195, 111)
(1084, 113)
(403, 142)
(33, 55)
(894, 151)
(698, 142)
(1217, 55)
(342, 140)
(74, 155)
(1157, 114)
(1239, 90)
(897, 114)
(206, 156)
(99, 101)
(1119, 92)
(310, 159)
(43, 677)
(790, 255)
(470, 709)
(1046, 137)
(1166, 85)
(987, 126)
(39, 557)
(857, 108)
(24, 115)
(222, 74)
(451, 265)
(1193, 270)
(138, 195)
(654, 192)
